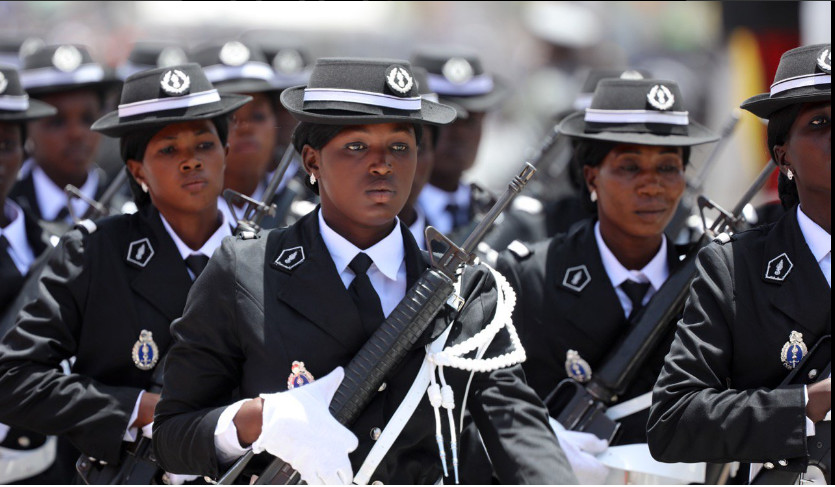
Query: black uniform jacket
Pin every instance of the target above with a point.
(12, 281)
(553, 318)
(718, 397)
(247, 319)
(93, 304)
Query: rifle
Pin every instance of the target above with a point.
(392, 341)
(255, 211)
(582, 408)
(137, 465)
(788, 472)
(95, 209)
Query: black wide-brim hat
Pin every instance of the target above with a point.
(804, 75)
(457, 76)
(353, 91)
(67, 67)
(163, 96)
(637, 111)
(149, 55)
(236, 67)
(15, 104)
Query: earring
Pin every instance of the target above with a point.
(144, 186)
(593, 195)
(312, 179)
(790, 174)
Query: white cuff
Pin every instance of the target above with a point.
(130, 433)
(227, 446)
(810, 425)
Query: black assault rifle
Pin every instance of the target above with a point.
(392, 341)
(255, 211)
(580, 407)
(95, 209)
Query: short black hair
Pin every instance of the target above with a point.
(133, 145)
(779, 126)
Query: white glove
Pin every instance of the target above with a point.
(580, 450)
(179, 479)
(299, 429)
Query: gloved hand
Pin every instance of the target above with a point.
(298, 428)
(580, 450)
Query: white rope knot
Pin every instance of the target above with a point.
(435, 397)
(448, 397)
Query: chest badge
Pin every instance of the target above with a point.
(576, 278)
(577, 368)
(299, 376)
(793, 351)
(140, 252)
(779, 268)
(290, 258)
(145, 352)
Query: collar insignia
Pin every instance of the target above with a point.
(290, 258)
(175, 82)
(577, 368)
(399, 80)
(145, 352)
(140, 252)
(779, 268)
(793, 351)
(577, 278)
(660, 97)
(66, 58)
(299, 376)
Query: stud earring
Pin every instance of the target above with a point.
(144, 186)
(790, 174)
(593, 196)
(312, 179)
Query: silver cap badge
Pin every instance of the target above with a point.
(66, 58)
(660, 97)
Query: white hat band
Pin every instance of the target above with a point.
(636, 116)
(221, 72)
(14, 103)
(801, 81)
(163, 104)
(364, 97)
(477, 85)
(36, 78)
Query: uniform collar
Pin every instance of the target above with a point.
(51, 199)
(819, 242)
(15, 233)
(387, 254)
(208, 248)
(655, 272)
(435, 201)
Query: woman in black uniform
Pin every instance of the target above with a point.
(295, 305)
(761, 302)
(578, 290)
(109, 293)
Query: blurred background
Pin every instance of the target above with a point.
(719, 52)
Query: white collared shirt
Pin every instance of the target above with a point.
(52, 199)
(655, 272)
(819, 242)
(15, 233)
(417, 228)
(388, 271)
(434, 202)
(208, 247)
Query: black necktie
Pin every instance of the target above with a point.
(196, 262)
(364, 295)
(635, 291)
(11, 281)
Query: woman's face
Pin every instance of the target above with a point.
(11, 156)
(638, 188)
(807, 151)
(252, 139)
(63, 145)
(183, 167)
(458, 145)
(364, 174)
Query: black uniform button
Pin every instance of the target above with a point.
(375, 433)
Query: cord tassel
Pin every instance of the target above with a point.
(435, 399)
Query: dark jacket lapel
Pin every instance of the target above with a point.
(36, 236)
(804, 283)
(23, 192)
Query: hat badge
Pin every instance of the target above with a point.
(233, 53)
(457, 70)
(660, 97)
(171, 56)
(825, 60)
(175, 82)
(3, 82)
(399, 80)
(66, 58)
(288, 61)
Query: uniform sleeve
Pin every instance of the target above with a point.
(695, 415)
(37, 394)
(511, 419)
(202, 370)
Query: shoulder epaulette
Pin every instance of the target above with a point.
(528, 205)
(520, 250)
(87, 227)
